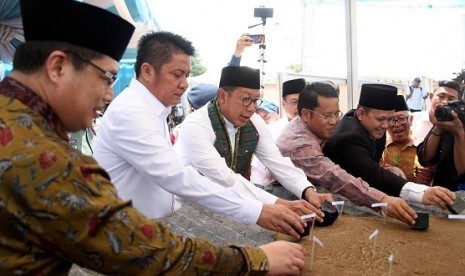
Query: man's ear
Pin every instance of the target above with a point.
(304, 115)
(221, 95)
(431, 95)
(360, 112)
(55, 65)
(147, 72)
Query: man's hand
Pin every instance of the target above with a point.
(396, 171)
(301, 207)
(285, 258)
(454, 126)
(316, 200)
(397, 208)
(242, 42)
(281, 219)
(439, 197)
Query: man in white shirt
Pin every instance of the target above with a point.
(134, 144)
(220, 138)
(416, 95)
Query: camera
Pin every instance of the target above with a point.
(443, 113)
(263, 12)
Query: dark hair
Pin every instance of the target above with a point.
(157, 48)
(452, 85)
(308, 97)
(31, 56)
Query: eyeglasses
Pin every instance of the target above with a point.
(400, 120)
(328, 117)
(111, 79)
(248, 101)
(293, 102)
(390, 121)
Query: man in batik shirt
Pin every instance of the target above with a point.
(400, 150)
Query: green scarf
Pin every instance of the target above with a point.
(246, 141)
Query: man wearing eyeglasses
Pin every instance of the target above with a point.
(220, 138)
(290, 97)
(359, 141)
(400, 150)
(303, 140)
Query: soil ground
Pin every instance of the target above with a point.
(347, 249)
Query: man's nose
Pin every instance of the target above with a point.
(183, 84)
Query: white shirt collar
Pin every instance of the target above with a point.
(159, 109)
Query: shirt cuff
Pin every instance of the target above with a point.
(235, 61)
(268, 198)
(413, 192)
(250, 211)
(305, 190)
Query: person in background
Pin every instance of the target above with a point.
(400, 151)
(359, 141)
(200, 94)
(220, 138)
(197, 96)
(303, 140)
(243, 42)
(290, 97)
(260, 174)
(58, 206)
(268, 110)
(83, 139)
(416, 95)
(444, 145)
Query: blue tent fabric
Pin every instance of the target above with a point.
(125, 74)
(11, 29)
(9, 9)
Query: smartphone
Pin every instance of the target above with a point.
(257, 38)
(457, 206)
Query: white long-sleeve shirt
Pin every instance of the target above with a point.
(134, 147)
(195, 145)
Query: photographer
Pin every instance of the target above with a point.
(444, 146)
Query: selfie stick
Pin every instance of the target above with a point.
(263, 13)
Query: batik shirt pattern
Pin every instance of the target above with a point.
(58, 207)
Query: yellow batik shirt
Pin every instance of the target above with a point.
(58, 207)
(404, 158)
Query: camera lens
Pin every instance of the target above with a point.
(442, 113)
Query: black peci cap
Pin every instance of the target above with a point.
(293, 86)
(378, 96)
(242, 76)
(76, 23)
(401, 105)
